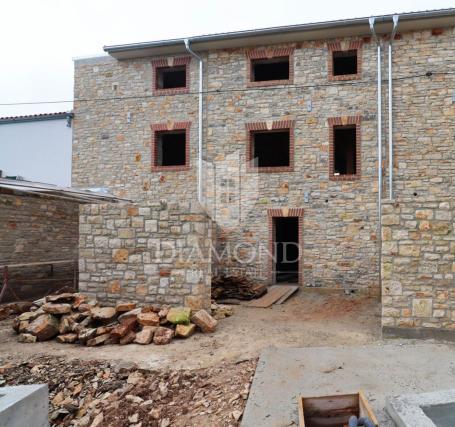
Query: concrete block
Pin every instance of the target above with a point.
(24, 405)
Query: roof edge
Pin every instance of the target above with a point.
(62, 115)
(271, 31)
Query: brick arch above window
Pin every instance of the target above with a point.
(346, 122)
(168, 63)
(170, 126)
(343, 47)
(270, 53)
(269, 127)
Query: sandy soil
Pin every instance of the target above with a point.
(310, 318)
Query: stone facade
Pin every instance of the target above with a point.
(418, 237)
(418, 265)
(36, 229)
(146, 252)
(113, 137)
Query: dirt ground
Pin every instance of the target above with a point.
(308, 319)
(201, 381)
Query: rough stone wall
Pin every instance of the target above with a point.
(146, 252)
(340, 242)
(418, 250)
(35, 229)
(418, 264)
(103, 137)
(339, 238)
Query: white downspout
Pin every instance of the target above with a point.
(392, 36)
(199, 160)
(379, 135)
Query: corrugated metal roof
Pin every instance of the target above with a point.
(76, 195)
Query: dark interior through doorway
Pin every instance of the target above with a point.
(287, 249)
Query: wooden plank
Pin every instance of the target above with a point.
(331, 404)
(365, 409)
(30, 264)
(301, 413)
(274, 294)
(333, 411)
(287, 294)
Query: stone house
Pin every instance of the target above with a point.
(281, 166)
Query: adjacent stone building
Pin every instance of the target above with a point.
(37, 234)
(289, 160)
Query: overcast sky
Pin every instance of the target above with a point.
(40, 38)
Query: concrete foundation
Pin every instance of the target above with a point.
(24, 405)
(434, 409)
(379, 371)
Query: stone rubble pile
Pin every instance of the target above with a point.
(74, 318)
(102, 394)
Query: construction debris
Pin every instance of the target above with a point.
(277, 294)
(220, 311)
(12, 308)
(73, 318)
(242, 288)
(99, 393)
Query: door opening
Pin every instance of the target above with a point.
(286, 249)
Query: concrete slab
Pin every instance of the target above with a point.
(24, 405)
(435, 409)
(379, 370)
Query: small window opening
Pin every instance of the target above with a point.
(271, 148)
(171, 148)
(287, 249)
(345, 150)
(171, 77)
(263, 70)
(344, 63)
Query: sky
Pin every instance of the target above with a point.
(40, 38)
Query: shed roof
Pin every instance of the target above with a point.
(76, 195)
(60, 115)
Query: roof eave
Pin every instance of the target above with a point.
(295, 33)
(36, 118)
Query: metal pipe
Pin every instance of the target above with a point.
(379, 135)
(199, 160)
(392, 36)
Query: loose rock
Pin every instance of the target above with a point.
(44, 327)
(185, 331)
(103, 313)
(145, 336)
(56, 308)
(163, 336)
(179, 315)
(67, 338)
(26, 338)
(123, 307)
(206, 322)
(148, 319)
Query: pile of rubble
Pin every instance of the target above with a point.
(101, 393)
(233, 287)
(14, 308)
(74, 318)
